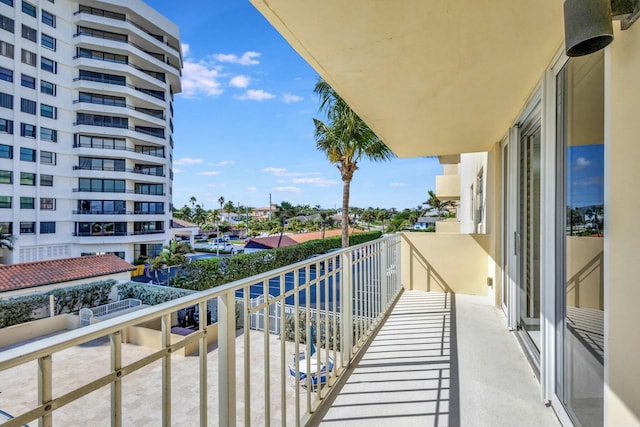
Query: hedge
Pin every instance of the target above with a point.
(208, 273)
(149, 294)
(14, 311)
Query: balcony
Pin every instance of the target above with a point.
(401, 356)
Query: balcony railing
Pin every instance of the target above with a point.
(338, 307)
(155, 132)
(153, 93)
(102, 212)
(158, 114)
(138, 171)
(103, 147)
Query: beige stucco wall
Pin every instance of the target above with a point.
(445, 262)
(448, 226)
(448, 187)
(622, 233)
(585, 270)
(37, 328)
(152, 338)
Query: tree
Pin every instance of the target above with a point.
(435, 204)
(228, 208)
(368, 216)
(193, 201)
(325, 219)
(345, 139)
(284, 211)
(6, 240)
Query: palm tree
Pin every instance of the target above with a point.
(345, 140)
(284, 211)
(6, 240)
(193, 201)
(435, 204)
(228, 208)
(325, 217)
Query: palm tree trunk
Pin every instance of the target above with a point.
(281, 233)
(346, 188)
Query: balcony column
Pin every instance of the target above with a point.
(227, 359)
(45, 389)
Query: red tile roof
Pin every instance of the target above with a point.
(294, 239)
(38, 273)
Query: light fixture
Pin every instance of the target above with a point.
(587, 23)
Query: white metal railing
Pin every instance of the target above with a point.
(254, 383)
(112, 307)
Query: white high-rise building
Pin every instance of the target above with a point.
(86, 125)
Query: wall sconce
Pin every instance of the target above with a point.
(587, 23)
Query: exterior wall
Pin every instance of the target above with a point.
(37, 328)
(119, 277)
(67, 241)
(445, 262)
(152, 338)
(470, 166)
(622, 234)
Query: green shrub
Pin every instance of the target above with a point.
(149, 294)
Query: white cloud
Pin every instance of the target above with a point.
(240, 81)
(224, 163)
(209, 173)
(273, 170)
(397, 184)
(581, 162)
(255, 95)
(247, 58)
(289, 98)
(252, 189)
(187, 161)
(320, 182)
(200, 78)
(185, 49)
(176, 170)
(287, 189)
(216, 185)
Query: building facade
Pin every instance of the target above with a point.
(86, 127)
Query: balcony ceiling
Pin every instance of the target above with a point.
(429, 77)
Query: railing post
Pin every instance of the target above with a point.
(166, 371)
(346, 308)
(116, 386)
(45, 389)
(227, 360)
(204, 317)
(384, 278)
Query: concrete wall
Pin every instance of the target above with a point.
(585, 269)
(37, 328)
(445, 262)
(470, 166)
(149, 335)
(622, 233)
(118, 277)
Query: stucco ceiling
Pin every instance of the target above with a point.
(429, 77)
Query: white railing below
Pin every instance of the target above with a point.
(362, 281)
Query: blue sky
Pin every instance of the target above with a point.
(243, 123)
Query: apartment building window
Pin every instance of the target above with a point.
(29, 58)
(102, 34)
(6, 49)
(48, 41)
(29, 33)
(103, 78)
(6, 177)
(48, 111)
(101, 229)
(48, 227)
(102, 12)
(47, 64)
(6, 75)
(149, 170)
(27, 81)
(147, 130)
(6, 151)
(6, 24)
(6, 100)
(27, 178)
(153, 189)
(93, 98)
(100, 207)
(6, 126)
(7, 2)
(103, 56)
(102, 185)
(148, 227)
(148, 208)
(91, 163)
(27, 203)
(46, 180)
(47, 134)
(47, 158)
(100, 142)
(47, 204)
(5, 202)
(47, 88)
(100, 120)
(27, 106)
(27, 155)
(48, 18)
(29, 9)
(27, 228)
(27, 130)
